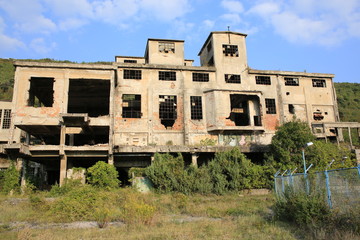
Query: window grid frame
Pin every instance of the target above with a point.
(200, 77)
(270, 105)
(168, 107)
(167, 47)
(196, 107)
(290, 81)
(263, 80)
(132, 111)
(230, 49)
(233, 78)
(6, 119)
(320, 83)
(167, 76)
(132, 74)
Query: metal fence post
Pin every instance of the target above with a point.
(328, 188)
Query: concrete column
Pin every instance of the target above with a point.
(62, 139)
(350, 138)
(63, 168)
(27, 138)
(71, 140)
(23, 173)
(194, 158)
(111, 159)
(251, 107)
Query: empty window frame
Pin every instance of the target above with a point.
(167, 47)
(263, 80)
(130, 61)
(270, 106)
(319, 83)
(232, 78)
(167, 76)
(41, 92)
(291, 109)
(7, 119)
(200, 77)
(230, 50)
(196, 107)
(132, 74)
(167, 110)
(131, 106)
(289, 81)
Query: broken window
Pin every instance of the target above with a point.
(289, 81)
(200, 77)
(167, 110)
(230, 50)
(239, 109)
(291, 109)
(7, 118)
(319, 83)
(196, 107)
(131, 106)
(41, 93)
(232, 78)
(263, 80)
(132, 74)
(167, 76)
(91, 96)
(270, 106)
(318, 115)
(209, 46)
(167, 47)
(130, 61)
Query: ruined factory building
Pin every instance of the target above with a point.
(73, 115)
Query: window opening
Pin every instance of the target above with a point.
(291, 81)
(240, 113)
(167, 47)
(196, 107)
(318, 115)
(167, 110)
(270, 106)
(167, 76)
(232, 78)
(132, 74)
(130, 61)
(263, 80)
(230, 50)
(200, 77)
(131, 106)
(318, 83)
(41, 93)
(7, 119)
(291, 109)
(91, 96)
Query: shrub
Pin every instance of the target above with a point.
(303, 209)
(69, 185)
(10, 180)
(103, 175)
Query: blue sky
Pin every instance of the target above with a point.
(291, 35)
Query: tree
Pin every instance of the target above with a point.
(103, 175)
(287, 143)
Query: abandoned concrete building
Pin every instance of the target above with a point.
(73, 115)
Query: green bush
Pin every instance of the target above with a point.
(228, 171)
(69, 185)
(308, 210)
(103, 175)
(10, 180)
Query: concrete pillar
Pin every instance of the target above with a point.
(111, 159)
(63, 168)
(194, 158)
(350, 138)
(71, 139)
(251, 107)
(27, 138)
(23, 174)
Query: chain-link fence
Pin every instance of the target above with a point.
(340, 186)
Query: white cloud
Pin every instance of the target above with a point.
(70, 8)
(232, 6)
(8, 43)
(72, 23)
(41, 47)
(208, 23)
(164, 9)
(323, 22)
(231, 18)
